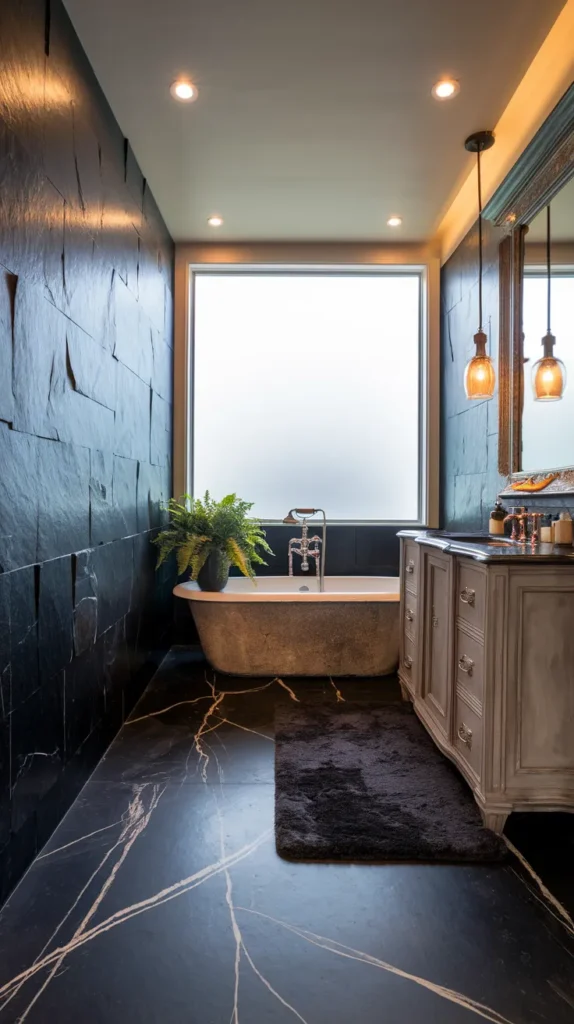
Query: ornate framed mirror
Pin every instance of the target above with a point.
(536, 437)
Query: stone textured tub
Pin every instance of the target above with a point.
(285, 627)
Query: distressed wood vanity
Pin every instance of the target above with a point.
(487, 658)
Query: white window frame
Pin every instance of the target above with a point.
(192, 260)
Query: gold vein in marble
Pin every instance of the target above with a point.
(564, 917)
(126, 913)
(338, 694)
(80, 839)
(339, 949)
(240, 947)
(217, 698)
(137, 821)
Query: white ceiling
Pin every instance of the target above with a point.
(314, 119)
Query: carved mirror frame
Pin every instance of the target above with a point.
(542, 170)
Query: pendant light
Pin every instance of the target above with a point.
(479, 375)
(549, 373)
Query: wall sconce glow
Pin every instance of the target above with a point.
(479, 375)
(215, 222)
(445, 89)
(395, 222)
(184, 91)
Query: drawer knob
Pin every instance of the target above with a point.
(465, 735)
(410, 566)
(408, 661)
(466, 664)
(467, 596)
(409, 615)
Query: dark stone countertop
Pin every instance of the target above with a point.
(484, 548)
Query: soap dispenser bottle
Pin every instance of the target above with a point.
(497, 517)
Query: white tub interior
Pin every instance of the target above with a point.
(298, 588)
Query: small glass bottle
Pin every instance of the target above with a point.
(546, 530)
(497, 517)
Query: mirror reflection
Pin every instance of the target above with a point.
(547, 429)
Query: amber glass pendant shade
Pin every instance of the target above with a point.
(479, 375)
(548, 374)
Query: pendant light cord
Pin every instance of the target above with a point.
(548, 265)
(479, 242)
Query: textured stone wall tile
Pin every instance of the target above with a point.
(468, 490)
(5, 814)
(113, 568)
(19, 589)
(117, 670)
(133, 401)
(125, 493)
(161, 420)
(162, 376)
(151, 286)
(22, 31)
(105, 521)
(31, 220)
(63, 479)
(39, 358)
(19, 499)
(37, 750)
(55, 616)
(7, 292)
(4, 644)
(133, 345)
(84, 698)
(133, 176)
(151, 494)
(119, 237)
(91, 368)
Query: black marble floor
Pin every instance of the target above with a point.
(160, 898)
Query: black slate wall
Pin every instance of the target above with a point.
(469, 430)
(86, 364)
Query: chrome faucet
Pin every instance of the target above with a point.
(305, 546)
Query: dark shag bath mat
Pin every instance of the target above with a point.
(363, 782)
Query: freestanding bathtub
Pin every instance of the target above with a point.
(284, 626)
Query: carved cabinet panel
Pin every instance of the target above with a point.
(436, 686)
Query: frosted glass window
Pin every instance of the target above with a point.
(306, 392)
(547, 427)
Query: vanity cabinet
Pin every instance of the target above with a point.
(487, 658)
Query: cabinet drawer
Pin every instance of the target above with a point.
(411, 566)
(471, 594)
(410, 612)
(469, 666)
(468, 735)
(408, 660)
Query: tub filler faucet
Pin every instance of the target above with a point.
(305, 546)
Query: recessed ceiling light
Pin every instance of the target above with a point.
(445, 89)
(183, 90)
(216, 221)
(395, 222)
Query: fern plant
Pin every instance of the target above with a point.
(201, 526)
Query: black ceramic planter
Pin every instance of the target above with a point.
(215, 573)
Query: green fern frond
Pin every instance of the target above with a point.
(237, 557)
